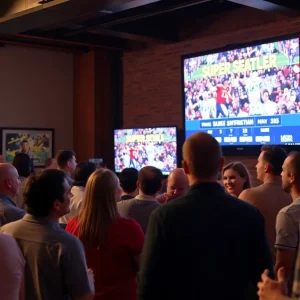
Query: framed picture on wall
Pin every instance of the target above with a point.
(38, 143)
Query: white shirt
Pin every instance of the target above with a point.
(270, 108)
(76, 201)
(12, 265)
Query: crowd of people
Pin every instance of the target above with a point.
(270, 91)
(77, 231)
(160, 152)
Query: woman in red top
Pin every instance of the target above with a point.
(112, 244)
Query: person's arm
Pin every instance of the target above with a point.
(285, 258)
(22, 289)
(154, 261)
(286, 243)
(261, 258)
(76, 276)
(269, 289)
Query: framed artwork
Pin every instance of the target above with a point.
(38, 143)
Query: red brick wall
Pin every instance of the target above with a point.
(152, 77)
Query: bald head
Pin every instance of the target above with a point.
(202, 156)
(177, 183)
(6, 170)
(9, 180)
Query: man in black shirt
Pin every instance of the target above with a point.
(197, 245)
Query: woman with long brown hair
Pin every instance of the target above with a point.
(236, 178)
(112, 244)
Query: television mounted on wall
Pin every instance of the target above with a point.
(140, 147)
(245, 96)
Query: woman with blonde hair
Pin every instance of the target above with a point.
(112, 244)
(236, 178)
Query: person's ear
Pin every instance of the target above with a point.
(185, 167)
(137, 185)
(56, 205)
(292, 178)
(8, 183)
(267, 168)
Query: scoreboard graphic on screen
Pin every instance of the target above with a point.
(247, 96)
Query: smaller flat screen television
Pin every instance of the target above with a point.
(140, 147)
(98, 162)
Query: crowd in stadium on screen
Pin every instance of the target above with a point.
(138, 154)
(263, 92)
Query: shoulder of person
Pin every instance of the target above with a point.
(69, 240)
(129, 223)
(10, 227)
(247, 194)
(290, 209)
(126, 202)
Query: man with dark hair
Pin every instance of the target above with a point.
(128, 180)
(196, 244)
(287, 240)
(141, 207)
(81, 175)
(25, 148)
(269, 198)
(66, 161)
(55, 260)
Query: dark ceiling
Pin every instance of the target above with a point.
(120, 24)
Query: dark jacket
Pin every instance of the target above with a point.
(205, 245)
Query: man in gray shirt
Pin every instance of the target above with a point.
(288, 219)
(141, 207)
(9, 187)
(55, 260)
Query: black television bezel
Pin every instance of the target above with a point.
(236, 150)
(169, 126)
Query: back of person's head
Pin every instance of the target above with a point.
(50, 163)
(99, 209)
(63, 157)
(292, 165)
(128, 179)
(150, 180)
(22, 163)
(274, 156)
(82, 173)
(242, 170)
(202, 156)
(42, 190)
(9, 180)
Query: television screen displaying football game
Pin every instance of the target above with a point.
(247, 96)
(137, 148)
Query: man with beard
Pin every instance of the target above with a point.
(287, 223)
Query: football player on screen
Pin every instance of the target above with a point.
(223, 97)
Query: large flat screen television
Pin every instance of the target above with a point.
(140, 147)
(245, 96)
